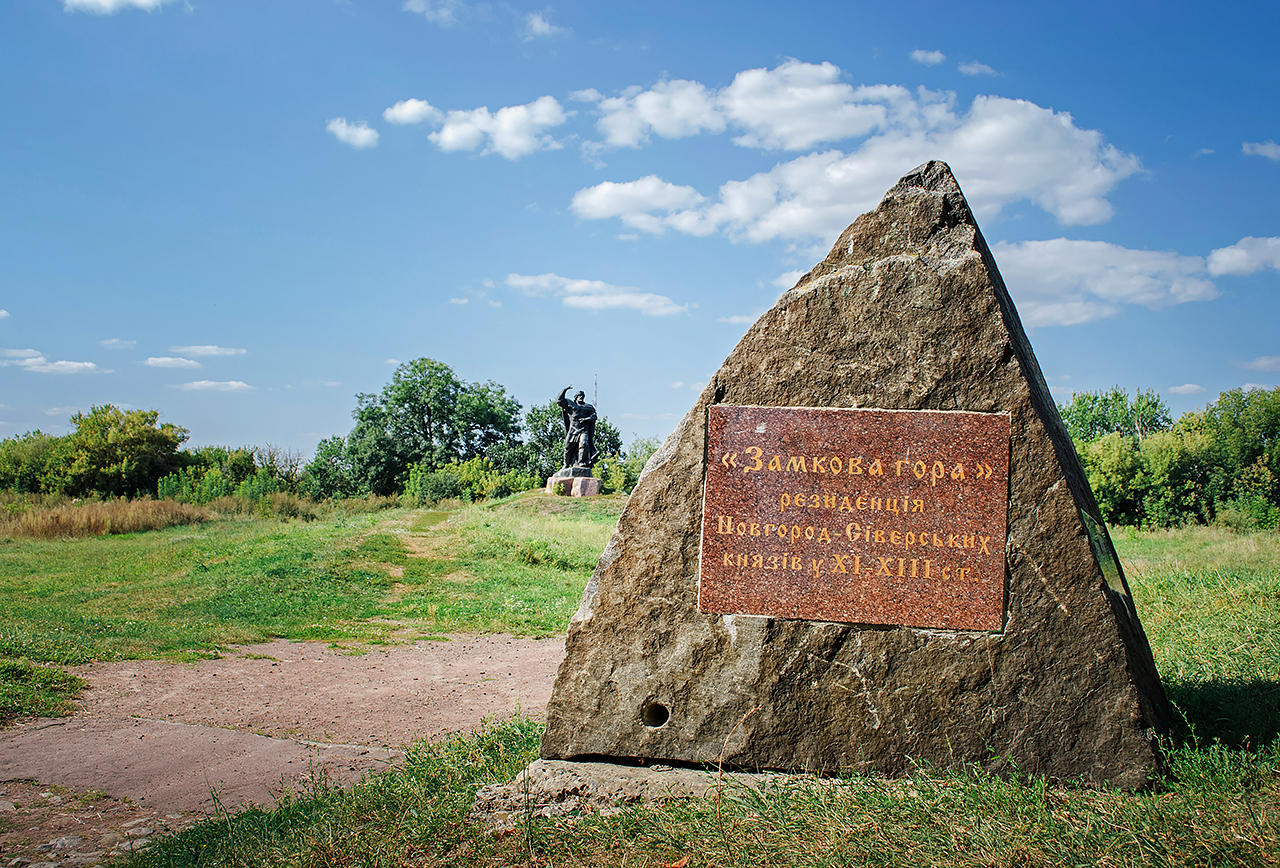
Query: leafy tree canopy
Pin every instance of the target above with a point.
(1090, 415)
(114, 453)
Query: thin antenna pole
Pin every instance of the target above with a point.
(595, 391)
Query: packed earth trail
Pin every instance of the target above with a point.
(156, 746)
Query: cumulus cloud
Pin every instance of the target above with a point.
(737, 319)
(1186, 389)
(1002, 150)
(111, 7)
(1066, 282)
(634, 202)
(216, 386)
(117, 344)
(171, 362)
(595, 294)
(358, 135)
(1268, 149)
(536, 25)
(413, 111)
(791, 107)
(927, 58)
(975, 68)
(787, 279)
(34, 361)
(1246, 256)
(446, 13)
(209, 350)
(1263, 363)
(3, 313)
(512, 131)
(670, 109)
(459, 300)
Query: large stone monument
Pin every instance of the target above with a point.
(869, 543)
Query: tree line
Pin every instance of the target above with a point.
(427, 434)
(1220, 465)
(430, 435)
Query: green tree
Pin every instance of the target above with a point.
(1176, 469)
(1090, 415)
(24, 461)
(329, 474)
(1114, 468)
(1244, 430)
(113, 452)
(425, 416)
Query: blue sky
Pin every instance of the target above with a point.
(241, 213)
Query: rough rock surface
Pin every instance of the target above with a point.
(907, 312)
(553, 788)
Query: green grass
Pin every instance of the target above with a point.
(515, 566)
(31, 690)
(1209, 600)
(1209, 603)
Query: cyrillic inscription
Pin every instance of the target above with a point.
(860, 516)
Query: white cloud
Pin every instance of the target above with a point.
(117, 344)
(209, 350)
(358, 135)
(928, 58)
(677, 385)
(671, 109)
(536, 25)
(61, 411)
(38, 364)
(787, 279)
(1246, 256)
(3, 313)
(171, 362)
(215, 386)
(737, 319)
(459, 300)
(413, 111)
(1065, 282)
(1002, 150)
(595, 294)
(1268, 149)
(798, 105)
(634, 202)
(512, 131)
(110, 7)
(392, 362)
(446, 13)
(1186, 389)
(790, 107)
(975, 68)
(1263, 363)
(1254, 387)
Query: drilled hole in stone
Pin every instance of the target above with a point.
(655, 714)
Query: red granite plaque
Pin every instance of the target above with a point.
(858, 516)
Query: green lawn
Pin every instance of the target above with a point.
(1209, 600)
(514, 566)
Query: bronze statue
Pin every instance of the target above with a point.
(579, 430)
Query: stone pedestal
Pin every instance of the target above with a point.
(575, 484)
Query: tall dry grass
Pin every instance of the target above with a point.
(97, 518)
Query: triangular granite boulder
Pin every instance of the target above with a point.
(907, 312)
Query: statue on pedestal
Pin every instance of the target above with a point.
(579, 433)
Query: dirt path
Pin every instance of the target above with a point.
(152, 739)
